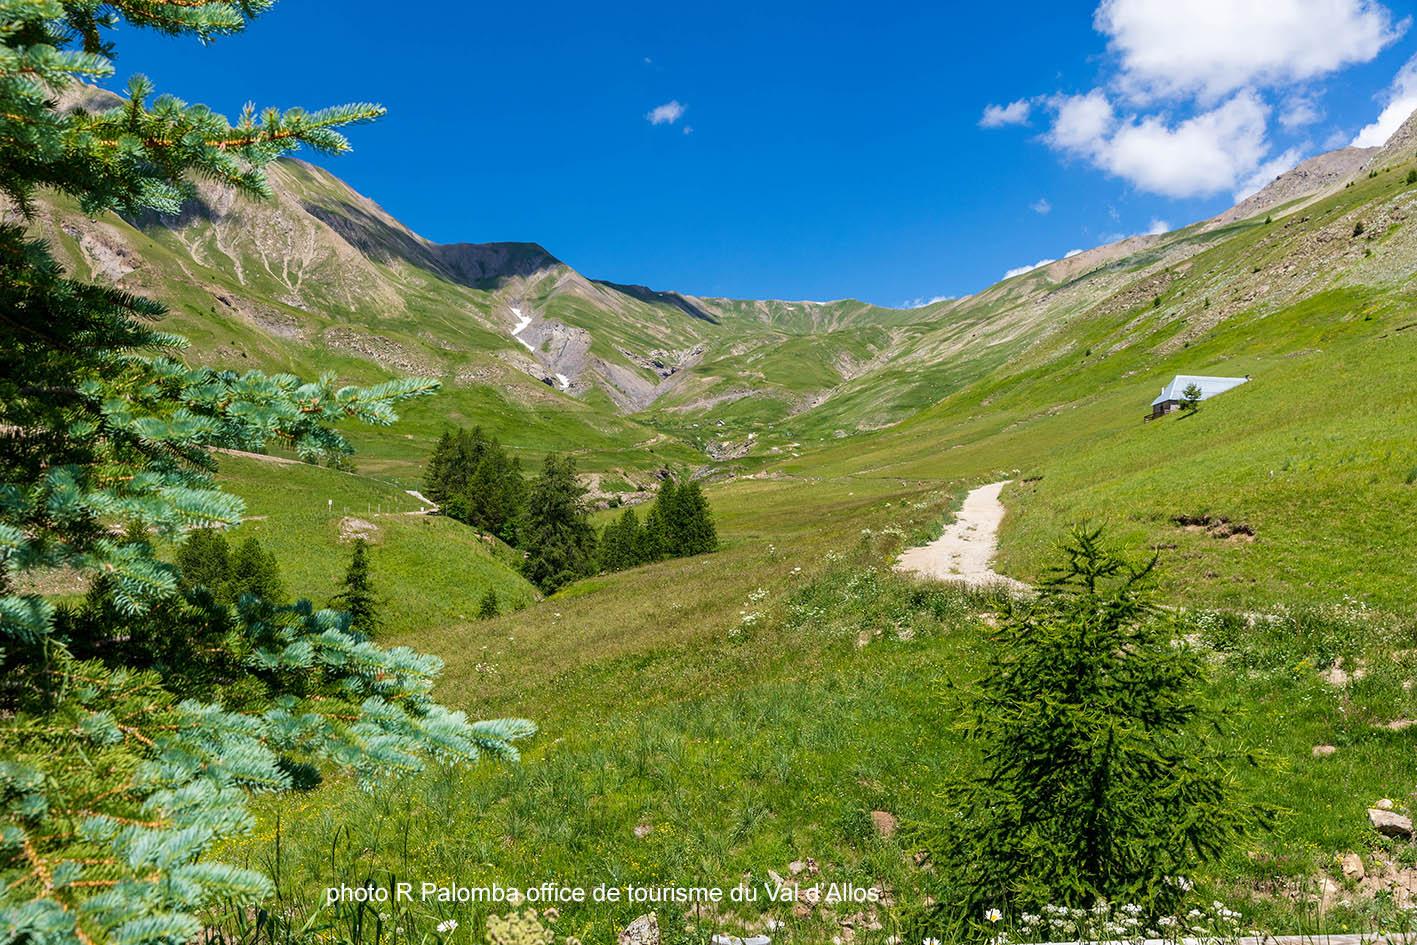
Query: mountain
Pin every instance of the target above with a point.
(1307, 179)
(321, 278)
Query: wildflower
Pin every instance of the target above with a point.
(447, 925)
(931, 941)
(993, 915)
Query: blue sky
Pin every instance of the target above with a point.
(892, 152)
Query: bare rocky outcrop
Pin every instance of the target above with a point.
(1312, 178)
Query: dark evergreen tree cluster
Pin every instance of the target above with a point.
(678, 525)
(474, 480)
(132, 728)
(206, 561)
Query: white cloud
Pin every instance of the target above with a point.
(1158, 227)
(1081, 121)
(1267, 172)
(1022, 269)
(688, 129)
(1210, 48)
(1200, 156)
(1300, 111)
(1401, 101)
(666, 114)
(1041, 206)
(997, 116)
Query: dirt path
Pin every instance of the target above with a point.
(966, 549)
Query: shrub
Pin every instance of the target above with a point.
(1096, 783)
(1358, 228)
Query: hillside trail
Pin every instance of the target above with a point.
(966, 550)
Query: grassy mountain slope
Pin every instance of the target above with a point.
(754, 706)
(427, 570)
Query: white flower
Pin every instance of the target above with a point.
(993, 915)
(446, 926)
(931, 941)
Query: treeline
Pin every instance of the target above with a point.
(474, 480)
(678, 525)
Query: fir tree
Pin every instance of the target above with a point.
(1191, 398)
(357, 599)
(488, 607)
(204, 560)
(622, 545)
(435, 471)
(699, 534)
(118, 779)
(1097, 781)
(255, 571)
(559, 539)
(657, 538)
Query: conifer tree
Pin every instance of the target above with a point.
(622, 543)
(255, 571)
(358, 599)
(700, 536)
(435, 471)
(118, 778)
(1097, 781)
(657, 539)
(488, 607)
(559, 540)
(204, 560)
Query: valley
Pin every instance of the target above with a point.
(789, 705)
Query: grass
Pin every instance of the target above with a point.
(428, 570)
(716, 757)
(753, 707)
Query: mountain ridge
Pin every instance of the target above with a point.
(321, 277)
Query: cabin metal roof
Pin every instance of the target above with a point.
(1210, 386)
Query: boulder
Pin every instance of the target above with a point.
(642, 931)
(1352, 865)
(1323, 751)
(1390, 824)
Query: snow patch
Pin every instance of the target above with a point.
(563, 381)
(522, 322)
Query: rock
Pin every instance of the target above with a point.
(1384, 804)
(1352, 865)
(1390, 824)
(884, 822)
(1397, 725)
(642, 931)
(1323, 751)
(643, 830)
(795, 867)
